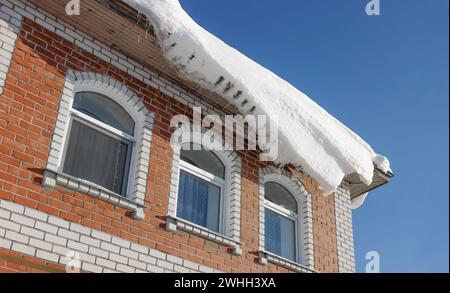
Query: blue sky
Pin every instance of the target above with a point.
(386, 77)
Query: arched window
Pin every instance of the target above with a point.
(281, 222)
(100, 142)
(201, 189)
(205, 194)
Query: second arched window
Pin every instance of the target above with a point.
(281, 222)
(201, 189)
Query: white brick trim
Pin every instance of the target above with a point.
(344, 230)
(232, 212)
(83, 81)
(99, 252)
(303, 197)
(10, 25)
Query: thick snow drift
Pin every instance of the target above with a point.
(309, 136)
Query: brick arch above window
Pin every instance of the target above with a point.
(303, 198)
(143, 118)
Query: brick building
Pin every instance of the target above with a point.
(102, 75)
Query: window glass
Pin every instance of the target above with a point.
(105, 110)
(280, 196)
(280, 235)
(205, 160)
(199, 201)
(97, 157)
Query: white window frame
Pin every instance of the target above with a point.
(304, 230)
(230, 233)
(211, 179)
(134, 197)
(104, 128)
(291, 216)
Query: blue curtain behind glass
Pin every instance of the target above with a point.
(280, 235)
(193, 199)
(272, 232)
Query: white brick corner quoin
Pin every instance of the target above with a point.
(232, 209)
(303, 197)
(344, 230)
(10, 25)
(83, 81)
(44, 236)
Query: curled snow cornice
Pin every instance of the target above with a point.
(309, 136)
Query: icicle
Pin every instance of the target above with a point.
(219, 81)
(228, 87)
(237, 94)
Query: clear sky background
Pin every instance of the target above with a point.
(386, 77)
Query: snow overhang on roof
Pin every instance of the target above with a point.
(309, 136)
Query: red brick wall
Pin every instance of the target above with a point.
(28, 111)
(324, 227)
(14, 262)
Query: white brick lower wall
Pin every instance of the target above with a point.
(34, 233)
(344, 231)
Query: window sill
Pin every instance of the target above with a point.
(174, 224)
(55, 179)
(267, 257)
